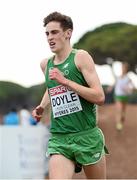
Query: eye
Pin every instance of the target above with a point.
(55, 32)
(47, 33)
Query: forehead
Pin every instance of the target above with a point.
(53, 25)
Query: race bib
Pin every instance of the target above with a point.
(64, 101)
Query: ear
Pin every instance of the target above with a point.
(68, 33)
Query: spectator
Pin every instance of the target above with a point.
(32, 121)
(24, 115)
(12, 118)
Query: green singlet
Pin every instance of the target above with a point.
(70, 112)
(74, 132)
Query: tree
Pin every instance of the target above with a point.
(117, 41)
(15, 95)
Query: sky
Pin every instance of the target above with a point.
(23, 42)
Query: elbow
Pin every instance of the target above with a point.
(101, 100)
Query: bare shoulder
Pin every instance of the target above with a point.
(81, 52)
(83, 58)
(43, 64)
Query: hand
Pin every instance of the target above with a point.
(56, 74)
(37, 113)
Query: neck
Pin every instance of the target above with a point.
(63, 54)
(124, 73)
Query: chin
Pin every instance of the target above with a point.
(54, 50)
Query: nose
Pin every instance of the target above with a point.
(49, 37)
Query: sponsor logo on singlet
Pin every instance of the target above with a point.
(64, 101)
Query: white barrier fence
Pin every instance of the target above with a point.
(23, 152)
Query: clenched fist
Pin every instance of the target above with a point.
(37, 113)
(56, 74)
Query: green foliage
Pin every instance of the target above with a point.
(8, 89)
(117, 40)
(14, 95)
(35, 94)
(133, 97)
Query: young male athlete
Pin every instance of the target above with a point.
(74, 90)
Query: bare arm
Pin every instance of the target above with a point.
(38, 111)
(94, 93)
(45, 99)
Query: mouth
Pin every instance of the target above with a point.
(52, 44)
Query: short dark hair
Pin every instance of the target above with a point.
(65, 21)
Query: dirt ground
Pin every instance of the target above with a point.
(122, 146)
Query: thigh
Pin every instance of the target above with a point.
(124, 105)
(60, 167)
(96, 171)
(118, 105)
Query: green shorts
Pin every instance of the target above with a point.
(122, 98)
(84, 148)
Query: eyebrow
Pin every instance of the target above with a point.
(52, 31)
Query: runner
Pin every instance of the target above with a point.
(74, 90)
(123, 88)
